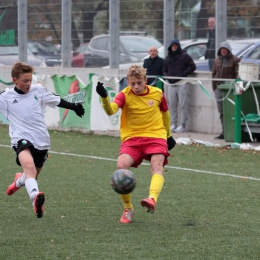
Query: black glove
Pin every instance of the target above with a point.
(101, 90)
(79, 109)
(170, 142)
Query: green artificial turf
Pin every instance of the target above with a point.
(205, 210)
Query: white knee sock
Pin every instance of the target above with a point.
(32, 188)
(20, 181)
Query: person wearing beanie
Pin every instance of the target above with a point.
(225, 67)
(178, 63)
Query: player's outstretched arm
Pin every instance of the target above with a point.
(76, 107)
(110, 108)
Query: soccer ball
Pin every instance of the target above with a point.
(123, 181)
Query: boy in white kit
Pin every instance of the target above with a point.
(23, 106)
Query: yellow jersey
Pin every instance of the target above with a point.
(144, 115)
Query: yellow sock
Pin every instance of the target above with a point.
(126, 198)
(156, 186)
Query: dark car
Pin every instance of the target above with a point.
(131, 48)
(10, 54)
(47, 52)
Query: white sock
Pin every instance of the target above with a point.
(32, 188)
(20, 181)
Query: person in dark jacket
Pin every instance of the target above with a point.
(153, 65)
(211, 44)
(225, 67)
(178, 64)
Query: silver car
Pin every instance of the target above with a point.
(9, 55)
(196, 49)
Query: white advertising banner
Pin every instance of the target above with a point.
(99, 119)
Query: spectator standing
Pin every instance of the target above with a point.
(211, 44)
(153, 65)
(178, 64)
(225, 67)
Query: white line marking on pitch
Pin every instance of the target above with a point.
(147, 164)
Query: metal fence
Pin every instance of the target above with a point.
(90, 18)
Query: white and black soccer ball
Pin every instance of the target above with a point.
(123, 181)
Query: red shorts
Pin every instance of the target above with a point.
(142, 148)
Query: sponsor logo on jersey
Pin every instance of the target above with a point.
(35, 97)
(150, 103)
(15, 101)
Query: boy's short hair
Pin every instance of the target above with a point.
(20, 68)
(136, 71)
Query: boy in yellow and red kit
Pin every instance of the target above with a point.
(144, 130)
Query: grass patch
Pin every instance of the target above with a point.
(199, 215)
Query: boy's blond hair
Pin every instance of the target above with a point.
(136, 71)
(20, 68)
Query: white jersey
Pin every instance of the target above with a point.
(25, 112)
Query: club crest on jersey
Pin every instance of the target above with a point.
(35, 97)
(150, 103)
(24, 142)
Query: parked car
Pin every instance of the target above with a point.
(77, 59)
(239, 48)
(131, 48)
(46, 51)
(195, 47)
(10, 54)
(252, 55)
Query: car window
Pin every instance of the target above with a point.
(161, 52)
(101, 44)
(196, 51)
(82, 48)
(139, 44)
(255, 54)
(42, 48)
